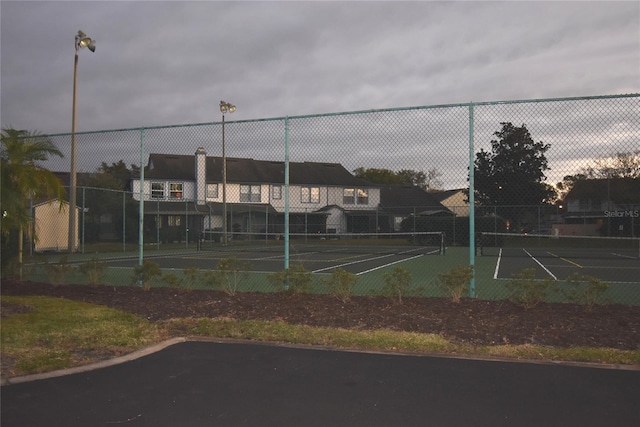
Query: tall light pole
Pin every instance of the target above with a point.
(225, 107)
(82, 40)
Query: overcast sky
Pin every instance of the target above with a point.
(164, 63)
(170, 63)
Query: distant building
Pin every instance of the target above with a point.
(454, 200)
(602, 207)
(183, 195)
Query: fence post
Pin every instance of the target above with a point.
(286, 195)
(186, 224)
(124, 221)
(141, 205)
(472, 209)
(84, 198)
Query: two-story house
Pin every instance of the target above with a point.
(183, 196)
(607, 207)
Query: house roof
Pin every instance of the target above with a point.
(444, 195)
(182, 167)
(411, 199)
(617, 190)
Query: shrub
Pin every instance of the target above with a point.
(145, 274)
(526, 290)
(227, 275)
(93, 269)
(456, 282)
(586, 290)
(341, 284)
(189, 279)
(397, 283)
(57, 273)
(172, 280)
(294, 280)
(192, 277)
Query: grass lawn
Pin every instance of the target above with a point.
(41, 334)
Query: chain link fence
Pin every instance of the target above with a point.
(366, 192)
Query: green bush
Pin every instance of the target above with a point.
(526, 290)
(192, 278)
(294, 280)
(146, 273)
(188, 281)
(586, 290)
(341, 284)
(57, 273)
(172, 280)
(94, 270)
(455, 282)
(227, 275)
(397, 283)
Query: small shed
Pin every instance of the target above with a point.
(51, 226)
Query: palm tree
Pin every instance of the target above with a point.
(22, 177)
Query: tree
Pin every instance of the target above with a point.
(23, 177)
(622, 165)
(511, 176)
(104, 197)
(427, 181)
(567, 184)
(377, 176)
(117, 176)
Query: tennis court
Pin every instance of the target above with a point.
(557, 257)
(318, 253)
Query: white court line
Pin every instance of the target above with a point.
(623, 255)
(364, 260)
(351, 263)
(386, 265)
(540, 264)
(495, 273)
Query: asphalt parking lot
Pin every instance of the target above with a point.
(251, 384)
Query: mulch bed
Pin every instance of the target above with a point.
(477, 322)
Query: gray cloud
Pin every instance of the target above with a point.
(165, 63)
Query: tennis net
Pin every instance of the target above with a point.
(542, 245)
(423, 243)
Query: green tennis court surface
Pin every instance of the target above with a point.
(607, 258)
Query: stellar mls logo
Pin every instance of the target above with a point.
(622, 214)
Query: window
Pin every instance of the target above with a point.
(212, 191)
(175, 190)
(310, 195)
(363, 197)
(157, 190)
(250, 193)
(357, 196)
(397, 223)
(348, 196)
(276, 192)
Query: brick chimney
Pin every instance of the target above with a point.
(201, 176)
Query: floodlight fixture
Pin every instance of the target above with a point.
(82, 40)
(226, 107)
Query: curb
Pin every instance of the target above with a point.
(97, 365)
(178, 340)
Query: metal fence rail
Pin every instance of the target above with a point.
(350, 173)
